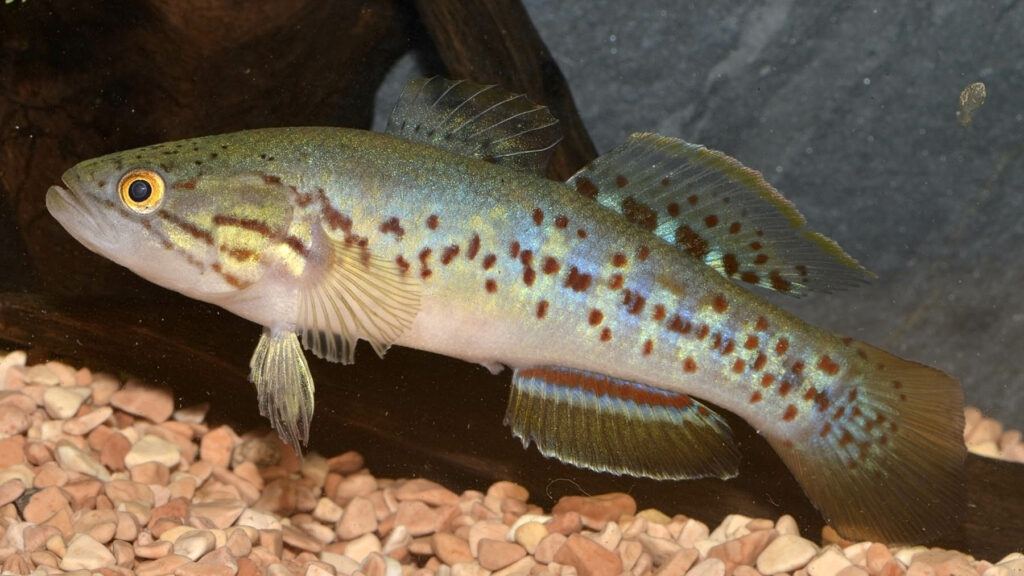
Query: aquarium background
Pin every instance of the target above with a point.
(849, 110)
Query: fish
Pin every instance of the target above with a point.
(623, 299)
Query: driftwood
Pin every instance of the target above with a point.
(78, 81)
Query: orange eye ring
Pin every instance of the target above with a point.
(142, 191)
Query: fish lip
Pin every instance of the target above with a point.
(67, 206)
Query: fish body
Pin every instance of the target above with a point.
(613, 296)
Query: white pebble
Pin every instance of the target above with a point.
(72, 458)
(194, 543)
(63, 403)
(362, 547)
(708, 567)
(786, 554)
(152, 448)
(828, 563)
(85, 553)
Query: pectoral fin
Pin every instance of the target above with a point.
(611, 425)
(284, 386)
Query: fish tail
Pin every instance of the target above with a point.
(885, 458)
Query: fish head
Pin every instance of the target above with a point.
(176, 214)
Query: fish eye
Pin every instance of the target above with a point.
(142, 191)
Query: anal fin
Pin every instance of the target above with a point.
(611, 425)
(284, 386)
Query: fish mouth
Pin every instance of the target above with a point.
(76, 214)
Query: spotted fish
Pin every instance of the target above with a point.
(617, 297)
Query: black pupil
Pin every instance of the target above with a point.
(139, 190)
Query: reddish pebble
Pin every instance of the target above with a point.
(588, 557)
(496, 554)
(596, 511)
(426, 491)
(450, 549)
(155, 403)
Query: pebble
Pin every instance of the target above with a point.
(588, 557)
(85, 553)
(786, 554)
(359, 518)
(151, 402)
(829, 563)
(13, 420)
(75, 459)
(450, 549)
(63, 403)
(596, 511)
(497, 554)
(194, 543)
(708, 567)
(151, 448)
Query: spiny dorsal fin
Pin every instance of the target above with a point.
(476, 120)
(718, 211)
(360, 295)
(611, 425)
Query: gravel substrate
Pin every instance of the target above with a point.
(97, 477)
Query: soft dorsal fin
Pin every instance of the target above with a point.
(612, 425)
(476, 120)
(718, 211)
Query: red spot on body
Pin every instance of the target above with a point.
(798, 367)
(811, 393)
(689, 365)
(616, 281)
(618, 260)
(640, 214)
(825, 429)
(730, 265)
(672, 209)
(801, 270)
(586, 188)
(760, 361)
(449, 253)
(678, 326)
(739, 366)
(432, 221)
(761, 325)
(752, 342)
(822, 401)
(581, 233)
(561, 221)
(526, 257)
(424, 256)
(659, 313)
(789, 414)
(691, 242)
(648, 347)
(642, 253)
(271, 179)
(474, 247)
(392, 226)
(488, 261)
(826, 365)
(692, 200)
(767, 380)
(577, 280)
(735, 227)
(785, 387)
(665, 181)
(755, 397)
(184, 184)
(839, 413)
(633, 302)
(335, 220)
(538, 216)
(711, 220)
(551, 266)
(621, 181)
(720, 304)
(729, 347)
(542, 309)
(716, 340)
(781, 346)
(760, 259)
(703, 331)
(403, 265)
(491, 285)
(750, 277)
(513, 249)
(606, 334)
(595, 317)
(529, 276)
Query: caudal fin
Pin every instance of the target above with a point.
(886, 461)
